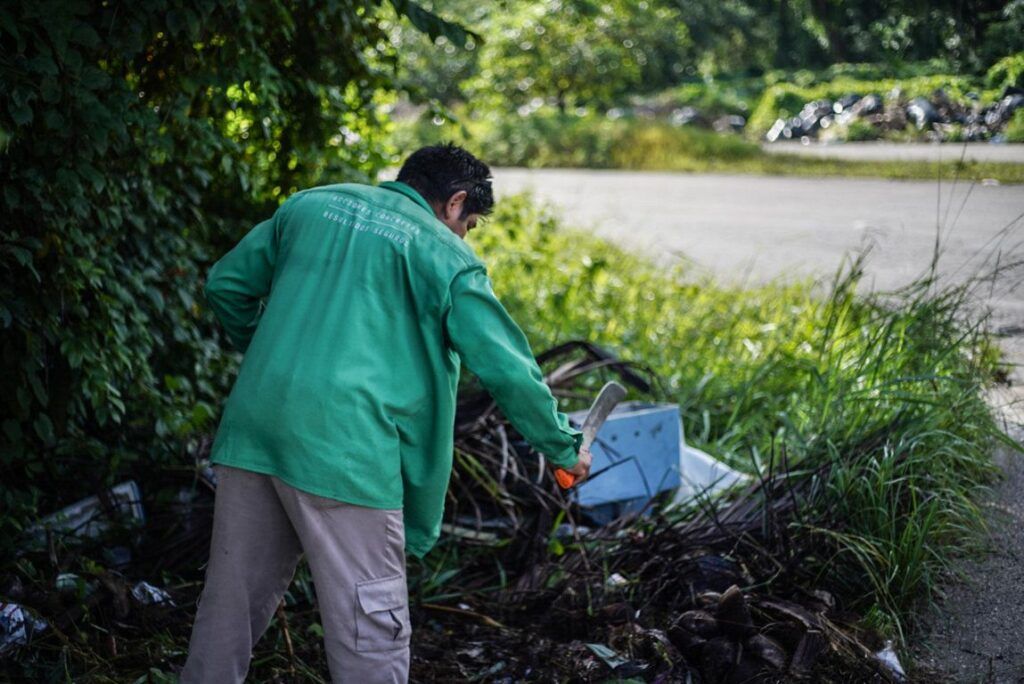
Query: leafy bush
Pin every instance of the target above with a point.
(138, 142)
(1015, 129)
(1007, 72)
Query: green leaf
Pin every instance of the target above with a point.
(72, 60)
(22, 255)
(49, 89)
(11, 196)
(157, 298)
(94, 177)
(21, 113)
(94, 78)
(67, 179)
(175, 23)
(55, 122)
(44, 428)
(194, 25)
(433, 25)
(201, 414)
(43, 64)
(38, 389)
(84, 35)
(12, 429)
(611, 658)
(9, 24)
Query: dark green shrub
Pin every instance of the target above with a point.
(138, 141)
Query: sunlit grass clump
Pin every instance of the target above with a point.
(882, 394)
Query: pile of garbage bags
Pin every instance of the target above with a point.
(938, 117)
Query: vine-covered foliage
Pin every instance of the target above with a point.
(138, 141)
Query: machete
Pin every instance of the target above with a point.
(611, 394)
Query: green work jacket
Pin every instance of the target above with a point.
(355, 307)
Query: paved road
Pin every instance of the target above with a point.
(755, 228)
(882, 151)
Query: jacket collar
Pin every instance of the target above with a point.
(409, 192)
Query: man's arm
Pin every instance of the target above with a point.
(236, 284)
(496, 350)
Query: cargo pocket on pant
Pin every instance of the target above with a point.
(382, 614)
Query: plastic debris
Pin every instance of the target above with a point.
(207, 472)
(684, 116)
(776, 131)
(469, 534)
(567, 531)
(703, 475)
(17, 627)
(922, 113)
(616, 580)
(733, 123)
(146, 594)
(118, 556)
(69, 582)
(610, 657)
(90, 517)
(887, 656)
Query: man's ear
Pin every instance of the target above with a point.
(453, 207)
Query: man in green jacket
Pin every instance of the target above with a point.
(355, 307)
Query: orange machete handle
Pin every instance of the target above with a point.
(565, 478)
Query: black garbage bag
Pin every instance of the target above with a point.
(922, 113)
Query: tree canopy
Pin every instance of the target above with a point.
(589, 51)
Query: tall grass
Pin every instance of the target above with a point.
(886, 390)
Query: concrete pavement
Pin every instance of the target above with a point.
(754, 228)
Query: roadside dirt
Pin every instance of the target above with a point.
(977, 634)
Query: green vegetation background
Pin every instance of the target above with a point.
(592, 84)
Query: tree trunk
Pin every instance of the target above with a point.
(824, 13)
(784, 49)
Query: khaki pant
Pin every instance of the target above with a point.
(261, 526)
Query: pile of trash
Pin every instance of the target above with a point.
(672, 567)
(692, 580)
(937, 118)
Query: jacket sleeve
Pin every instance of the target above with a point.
(236, 284)
(496, 350)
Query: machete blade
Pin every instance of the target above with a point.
(611, 394)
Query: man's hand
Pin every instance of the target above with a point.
(582, 468)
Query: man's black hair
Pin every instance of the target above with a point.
(439, 171)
